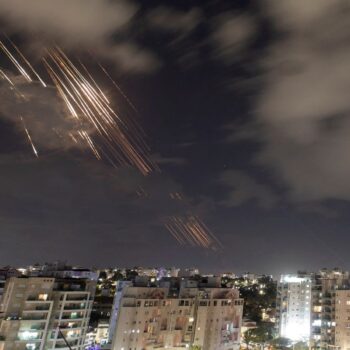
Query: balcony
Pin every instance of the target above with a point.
(76, 318)
(76, 298)
(35, 318)
(36, 310)
(34, 339)
(73, 308)
(74, 327)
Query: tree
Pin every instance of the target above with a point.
(281, 343)
(117, 276)
(130, 274)
(248, 337)
(254, 300)
(102, 275)
(263, 333)
(259, 335)
(300, 346)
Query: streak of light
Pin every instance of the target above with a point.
(190, 229)
(88, 104)
(13, 87)
(108, 136)
(73, 137)
(85, 135)
(104, 70)
(176, 195)
(15, 62)
(141, 192)
(29, 138)
(26, 61)
(94, 82)
(7, 77)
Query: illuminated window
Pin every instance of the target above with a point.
(27, 335)
(43, 297)
(70, 334)
(30, 346)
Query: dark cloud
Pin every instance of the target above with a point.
(174, 21)
(301, 110)
(79, 24)
(291, 151)
(243, 188)
(64, 200)
(42, 111)
(62, 207)
(159, 159)
(304, 105)
(232, 33)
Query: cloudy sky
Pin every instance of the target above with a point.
(245, 106)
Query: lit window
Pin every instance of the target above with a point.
(43, 297)
(30, 346)
(27, 335)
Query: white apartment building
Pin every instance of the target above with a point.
(294, 302)
(40, 313)
(178, 314)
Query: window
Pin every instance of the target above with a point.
(42, 297)
(30, 346)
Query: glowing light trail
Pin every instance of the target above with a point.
(98, 127)
(29, 138)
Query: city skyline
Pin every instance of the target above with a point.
(244, 110)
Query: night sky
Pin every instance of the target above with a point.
(245, 105)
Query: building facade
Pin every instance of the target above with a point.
(294, 307)
(40, 313)
(315, 308)
(178, 314)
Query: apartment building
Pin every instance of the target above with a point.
(315, 308)
(177, 314)
(40, 313)
(294, 306)
(341, 323)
